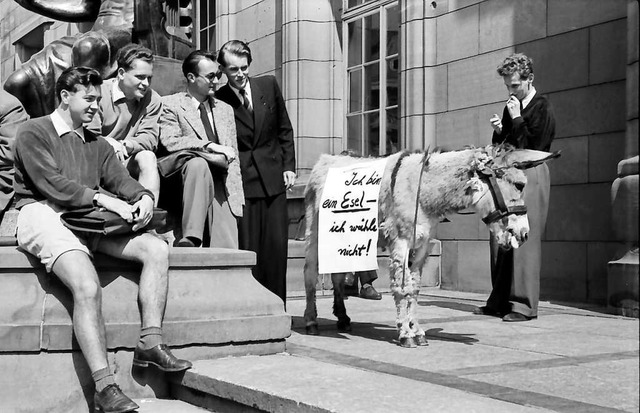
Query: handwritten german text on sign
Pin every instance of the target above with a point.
(348, 218)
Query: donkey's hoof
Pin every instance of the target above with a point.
(312, 330)
(344, 326)
(407, 342)
(421, 340)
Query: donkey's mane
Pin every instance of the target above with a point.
(445, 186)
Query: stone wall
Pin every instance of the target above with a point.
(259, 23)
(579, 50)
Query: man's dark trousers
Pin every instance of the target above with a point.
(515, 274)
(264, 229)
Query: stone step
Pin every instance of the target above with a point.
(150, 405)
(286, 383)
(215, 308)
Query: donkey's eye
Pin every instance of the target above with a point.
(519, 186)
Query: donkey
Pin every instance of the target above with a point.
(416, 192)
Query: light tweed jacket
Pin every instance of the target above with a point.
(181, 128)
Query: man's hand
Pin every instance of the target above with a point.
(116, 205)
(513, 106)
(227, 151)
(496, 123)
(121, 151)
(289, 179)
(142, 212)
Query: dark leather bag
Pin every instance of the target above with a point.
(101, 221)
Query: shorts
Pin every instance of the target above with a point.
(41, 233)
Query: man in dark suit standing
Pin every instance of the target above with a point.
(267, 162)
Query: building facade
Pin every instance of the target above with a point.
(378, 76)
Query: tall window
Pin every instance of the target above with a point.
(373, 78)
(207, 24)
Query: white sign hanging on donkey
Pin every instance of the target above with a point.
(348, 218)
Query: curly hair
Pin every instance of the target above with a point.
(517, 62)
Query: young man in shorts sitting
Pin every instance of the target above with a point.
(60, 165)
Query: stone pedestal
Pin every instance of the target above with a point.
(215, 308)
(623, 274)
(623, 285)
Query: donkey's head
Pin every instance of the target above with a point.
(498, 186)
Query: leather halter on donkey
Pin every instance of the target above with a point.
(502, 210)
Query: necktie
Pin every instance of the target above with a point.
(207, 124)
(245, 100)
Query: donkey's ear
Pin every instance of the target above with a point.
(528, 158)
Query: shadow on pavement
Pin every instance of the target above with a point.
(378, 332)
(452, 305)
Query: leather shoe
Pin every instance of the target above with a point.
(369, 293)
(112, 400)
(185, 243)
(514, 317)
(161, 357)
(484, 310)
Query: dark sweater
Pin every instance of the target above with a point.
(534, 129)
(65, 170)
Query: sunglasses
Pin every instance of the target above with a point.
(211, 76)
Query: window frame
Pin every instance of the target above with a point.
(361, 12)
(210, 26)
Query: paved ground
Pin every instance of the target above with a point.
(568, 360)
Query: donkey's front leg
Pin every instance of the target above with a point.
(339, 310)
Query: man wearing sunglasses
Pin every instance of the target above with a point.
(198, 138)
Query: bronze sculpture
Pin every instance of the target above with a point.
(34, 83)
(114, 25)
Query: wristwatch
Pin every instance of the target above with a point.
(127, 146)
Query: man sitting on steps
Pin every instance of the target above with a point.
(128, 115)
(60, 165)
(196, 124)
